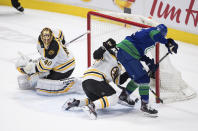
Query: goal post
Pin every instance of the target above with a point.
(103, 25)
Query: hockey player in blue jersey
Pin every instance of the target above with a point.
(132, 50)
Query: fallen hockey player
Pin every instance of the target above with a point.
(100, 94)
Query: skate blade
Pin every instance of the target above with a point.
(68, 108)
(124, 103)
(91, 115)
(151, 115)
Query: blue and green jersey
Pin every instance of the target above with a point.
(138, 43)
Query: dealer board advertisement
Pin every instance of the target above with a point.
(177, 14)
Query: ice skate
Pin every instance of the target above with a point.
(70, 103)
(90, 111)
(148, 110)
(124, 99)
(20, 9)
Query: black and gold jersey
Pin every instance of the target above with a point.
(106, 69)
(57, 57)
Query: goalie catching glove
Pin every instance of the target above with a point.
(28, 69)
(171, 45)
(25, 65)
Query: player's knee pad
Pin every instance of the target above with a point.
(54, 87)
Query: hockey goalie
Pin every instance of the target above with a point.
(47, 74)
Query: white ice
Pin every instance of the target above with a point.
(24, 110)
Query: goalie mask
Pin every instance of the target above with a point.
(46, 37)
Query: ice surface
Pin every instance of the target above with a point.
(24, 110)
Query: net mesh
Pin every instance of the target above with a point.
(172, 86)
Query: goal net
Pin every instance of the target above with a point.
(103, 25)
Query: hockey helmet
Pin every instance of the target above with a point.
(163, 29)
(46, 37)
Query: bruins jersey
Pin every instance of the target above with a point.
(56, 57)
(107, 69)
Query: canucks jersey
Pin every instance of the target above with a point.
(138, 43)
(56, 57)
(106, 69)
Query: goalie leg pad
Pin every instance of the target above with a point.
(29, 81)
(23, 82)
(53, 87)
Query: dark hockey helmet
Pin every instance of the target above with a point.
(46, 37)
(163, 29)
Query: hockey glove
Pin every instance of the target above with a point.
(123, 78)
(171, 45)
(109, 44)
(150, 63)
(98, 54)
(152, 66)
(30, 68)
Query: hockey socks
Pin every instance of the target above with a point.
(131, 86)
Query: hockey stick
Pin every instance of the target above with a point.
(157, 96)
(149, 72)
(77, 38)
(21, 54)
(24, 56)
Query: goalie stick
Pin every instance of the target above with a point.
(77, 38)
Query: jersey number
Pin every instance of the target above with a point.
(47, 62)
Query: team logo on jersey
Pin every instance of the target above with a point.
(51, 52)
(114, 72)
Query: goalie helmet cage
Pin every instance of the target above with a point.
(103, 25)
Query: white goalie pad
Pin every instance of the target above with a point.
(30, 81)
(58, 87)
(23, 82)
